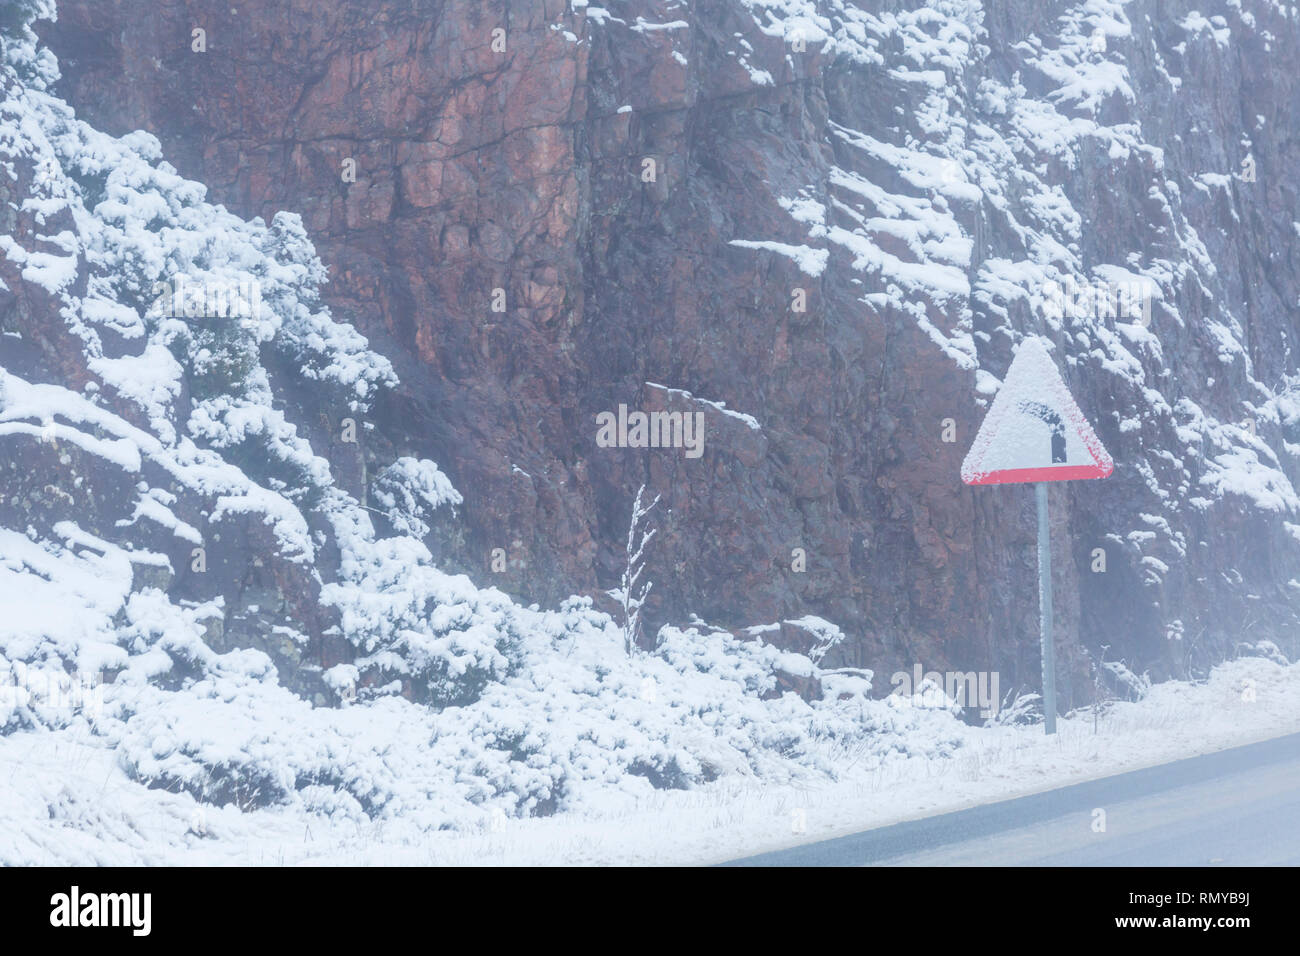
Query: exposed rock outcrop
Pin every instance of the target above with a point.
(832, 218)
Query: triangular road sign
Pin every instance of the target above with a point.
(1034, 431)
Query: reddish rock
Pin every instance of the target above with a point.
(479, 170)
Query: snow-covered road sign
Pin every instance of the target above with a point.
(1034, 431)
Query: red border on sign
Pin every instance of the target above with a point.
(1057, 473)
(1032, 359)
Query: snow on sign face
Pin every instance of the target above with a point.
(1034, 431)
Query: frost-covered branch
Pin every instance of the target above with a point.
(631, 593)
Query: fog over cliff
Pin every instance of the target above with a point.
(325, 326)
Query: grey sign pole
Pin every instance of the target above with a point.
(1045, 609)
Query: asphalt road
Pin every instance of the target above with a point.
(1238, 807)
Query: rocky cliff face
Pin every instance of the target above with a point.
(821, 225)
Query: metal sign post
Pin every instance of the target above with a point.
(1045, 609)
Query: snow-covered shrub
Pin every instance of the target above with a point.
(436, 635)
(16, 16)
(409, 491)
(1134, 685)
(750, 663)
(1265, 649)
(1017, 708)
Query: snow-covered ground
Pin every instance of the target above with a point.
(65, 800)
